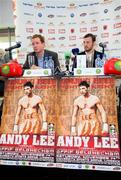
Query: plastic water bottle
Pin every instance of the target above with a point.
(99, 62)
(46, 63)
(104, 59)
(51, 64)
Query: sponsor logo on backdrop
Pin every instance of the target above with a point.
(106, 2)
(72, 38)
(61, 16)
(116, 41)
(93, 13)
(117, 17)
(40, 23)
(83, 30)
(51, 16)
(27, 4)
(94, 21)
(39, 6)
(40, 30)
(72, 30)
(62, 46)
(61, 31)
(93, 29)
(72, 15)
(117, 25)
(62, 38)
(105, 27)
(72, 6)
(28, 14)
(29, 22)
(93, 4)
(39, 14)
(117, 34)
(117, 8)
(81, 37)
(72, 45)
(30, 30)
(83, 14)
(61, 7)
(83, 23)
(72, 23)
(61, 24)
(105, 11)
(83, 5)
(51, 24)
(51, 38)
(51, 31)
(105, 19)
(50, 7)
(105, 35)
(52, 46)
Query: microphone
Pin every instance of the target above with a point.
(18, 44)
(67, 56)
(75, 51)
(103, 45)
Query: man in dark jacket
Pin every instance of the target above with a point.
(91, 54)
(40, 57)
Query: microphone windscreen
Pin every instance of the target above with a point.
(75, 51)
(67, 55)
(103, 45)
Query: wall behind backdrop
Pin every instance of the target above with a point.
(65, 22)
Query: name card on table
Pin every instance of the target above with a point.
(37, 72)
(81, 61)
(88, 71)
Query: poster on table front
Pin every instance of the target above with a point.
(79, 129)
(90, 144)
(32, 142)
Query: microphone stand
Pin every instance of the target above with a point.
(10, 54)
(103, 50)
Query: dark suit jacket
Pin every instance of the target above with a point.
(47, 53)
(83, 53)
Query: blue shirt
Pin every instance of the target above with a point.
(41, 61)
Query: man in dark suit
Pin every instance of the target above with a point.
(91, 54)
(40, 57)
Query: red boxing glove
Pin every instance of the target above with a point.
(113, 66)
(11, 69)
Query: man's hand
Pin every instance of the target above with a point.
(35, 67)
(15, 129)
